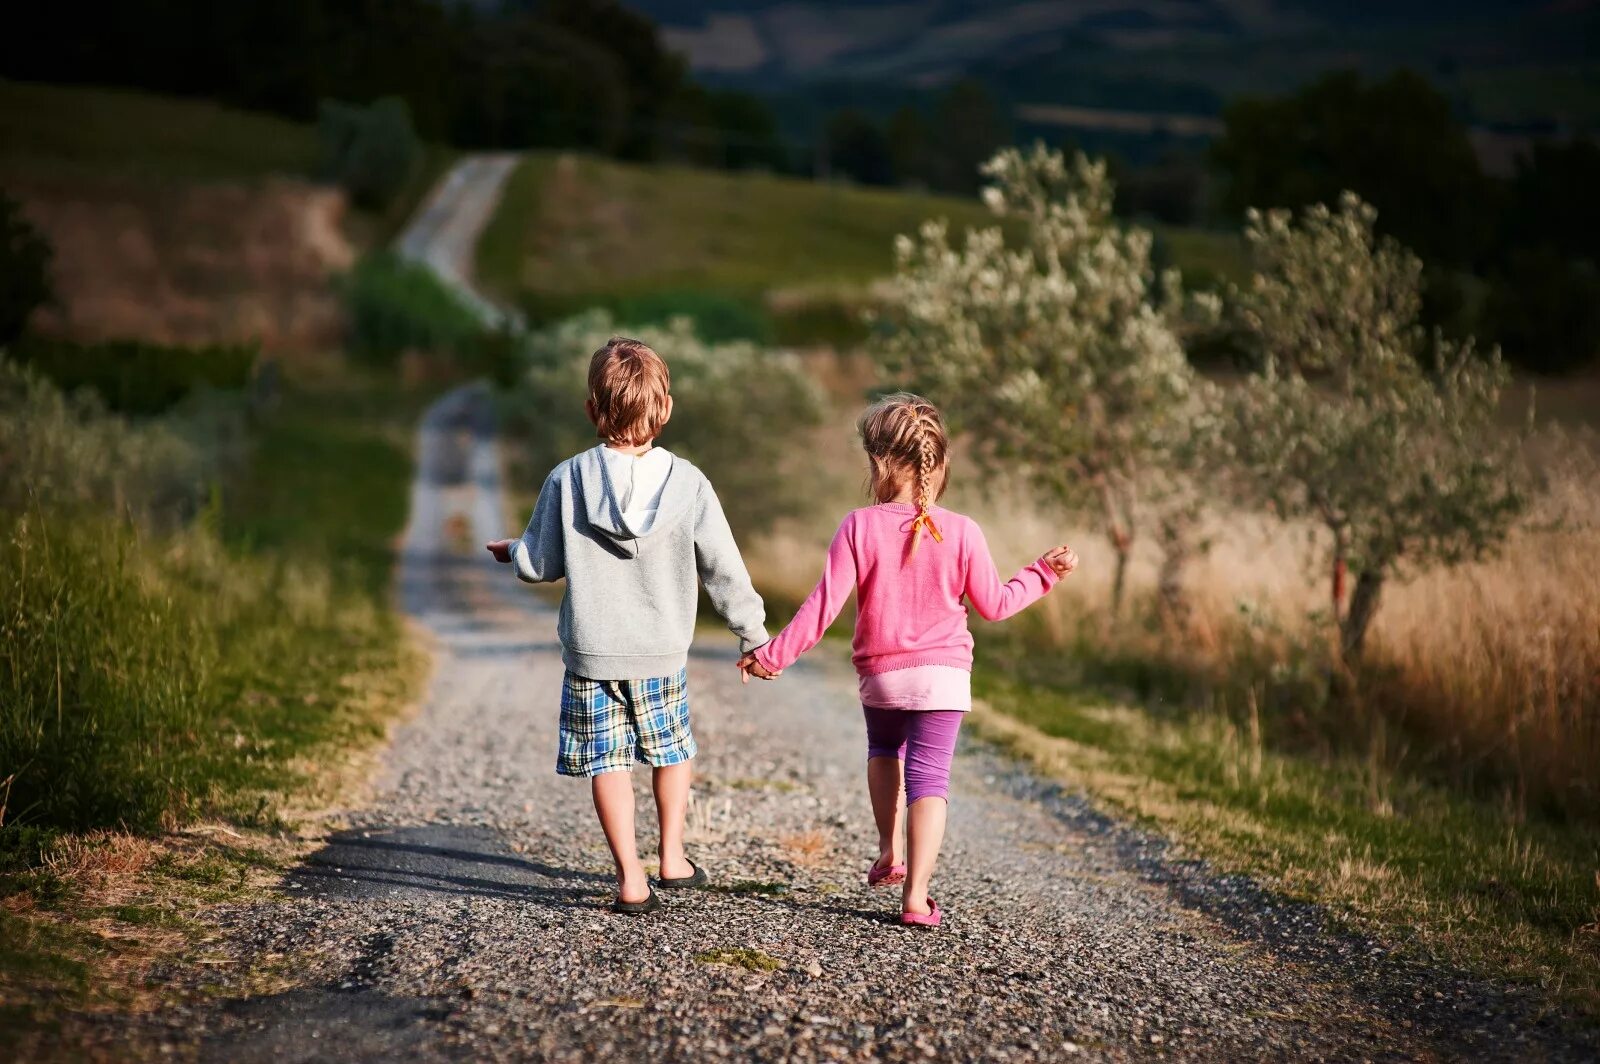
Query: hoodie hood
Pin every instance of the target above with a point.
(603, 506)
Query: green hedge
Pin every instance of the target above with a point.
(139, 378)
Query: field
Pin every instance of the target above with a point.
(576, 231)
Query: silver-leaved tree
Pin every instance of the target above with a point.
(1060, 356)
(1360, 420)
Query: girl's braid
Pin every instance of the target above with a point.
(922, 429)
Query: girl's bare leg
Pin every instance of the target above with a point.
(613, 800)
(886, 785)
(924, 835)
(671, 784)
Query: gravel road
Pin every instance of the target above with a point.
(462, 914)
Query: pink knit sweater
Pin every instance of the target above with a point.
(909, 610)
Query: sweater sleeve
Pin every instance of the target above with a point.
(723, 575)
(540, 555)
(993, 600)
(820, 608)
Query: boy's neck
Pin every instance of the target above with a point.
(634, 449)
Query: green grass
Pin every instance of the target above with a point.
(1412, 861)
(117, 133)
(110, 136)
(575, 231)
(224, 671)
(751, 960)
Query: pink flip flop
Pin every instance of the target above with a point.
(886, 876)
(929, 919)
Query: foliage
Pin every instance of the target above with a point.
(1395, 142)
(1055, 356)
(371, 152)
(24, 270)
(137, 377)
(153, 673)
(737, 409)
(1357, 419)
(395, 306)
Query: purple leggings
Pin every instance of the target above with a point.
(925, 739)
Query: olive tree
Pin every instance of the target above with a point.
(1061, 355)
(1359, 419)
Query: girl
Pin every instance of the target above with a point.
(910, 564)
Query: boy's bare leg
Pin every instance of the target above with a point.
(671, 783)
(885, 783)
(613, 800)
(924, 835)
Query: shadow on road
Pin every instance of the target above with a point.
(440, 859)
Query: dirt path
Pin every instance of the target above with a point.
(462, 915)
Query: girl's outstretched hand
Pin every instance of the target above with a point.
(1062, 559)
(748, 664)
(500, 548)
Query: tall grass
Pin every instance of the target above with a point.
(150, 670)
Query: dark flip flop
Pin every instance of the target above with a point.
(697, 879)
(637, 908)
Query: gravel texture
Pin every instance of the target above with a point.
(463, 915)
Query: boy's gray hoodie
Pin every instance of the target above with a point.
(629, 608)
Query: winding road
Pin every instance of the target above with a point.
(462, 914)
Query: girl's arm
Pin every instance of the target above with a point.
(820, 608)
(993, 600)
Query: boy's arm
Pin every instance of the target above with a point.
(723, 575)
(540, 555)
(993, 600)
(820, 608)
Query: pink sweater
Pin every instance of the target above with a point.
(909, 611)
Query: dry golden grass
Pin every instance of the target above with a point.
(808, 849)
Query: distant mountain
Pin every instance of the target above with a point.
(1504, 61)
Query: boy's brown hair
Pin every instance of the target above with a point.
(628, 387)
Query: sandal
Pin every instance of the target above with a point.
(695, 879)
(637, 908)
(886, 875)
(928, 919)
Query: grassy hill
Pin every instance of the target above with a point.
(573, 231)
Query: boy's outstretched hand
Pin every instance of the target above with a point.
(748, 664)
(1062, 559)
(500, 548)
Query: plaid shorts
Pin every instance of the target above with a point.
(609, 725)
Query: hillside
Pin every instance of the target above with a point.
(1499, 60)
(574, 230)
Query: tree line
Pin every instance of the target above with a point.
(587, 74)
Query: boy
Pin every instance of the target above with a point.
(630, 526)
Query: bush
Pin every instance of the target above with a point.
(63, 451)
(24, 270)
(737, 409)
(136, 377)
(395, 306)
(371, 152)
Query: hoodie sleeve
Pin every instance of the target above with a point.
(722, 572)
(540, 555)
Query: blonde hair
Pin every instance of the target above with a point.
(904, 437)
(628, 386)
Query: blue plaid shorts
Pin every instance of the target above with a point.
(609, 725)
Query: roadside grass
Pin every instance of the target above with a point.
(178, 701)
(1416, 864)
(574, 231)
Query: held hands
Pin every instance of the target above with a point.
(500, 548)
(1062, 559)
(748, 664)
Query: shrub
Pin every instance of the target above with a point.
(737, 409)
(137, 377)
(24, 270)
(371, 152)
(395, 306)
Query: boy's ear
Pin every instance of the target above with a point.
(668, 416)
(588, 409)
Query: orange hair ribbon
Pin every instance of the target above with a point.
(925, 520)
